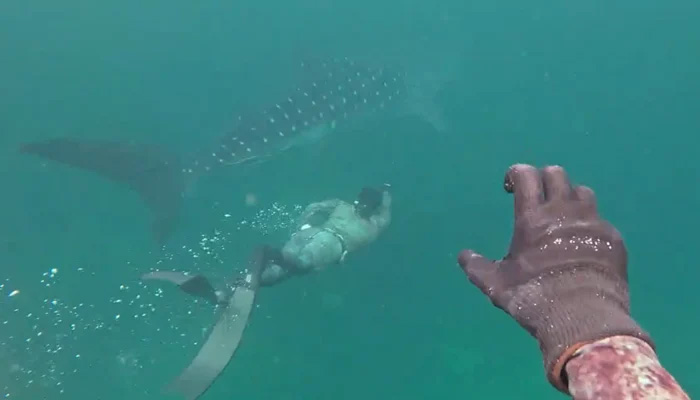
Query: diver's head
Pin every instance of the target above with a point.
(368, 202)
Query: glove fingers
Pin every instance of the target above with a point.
(525, 183)
(586, 196)
(556, 184)
(481, 272)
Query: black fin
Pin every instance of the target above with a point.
(194, 285)
(154, 175)
(224, 338)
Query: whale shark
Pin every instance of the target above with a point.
(337, 92)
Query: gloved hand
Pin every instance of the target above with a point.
(564, 278)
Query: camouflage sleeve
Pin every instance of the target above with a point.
(620, 368)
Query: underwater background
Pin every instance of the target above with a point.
(609, 90)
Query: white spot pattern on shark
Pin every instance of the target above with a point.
(345, 90)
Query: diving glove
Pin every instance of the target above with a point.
(564, 278)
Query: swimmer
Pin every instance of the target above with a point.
(326, 233)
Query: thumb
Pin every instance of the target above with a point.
(480, 271)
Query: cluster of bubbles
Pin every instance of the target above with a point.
(52, 333)
(76, 323)
(211, 248)
(276, 217)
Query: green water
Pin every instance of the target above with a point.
(609, 90)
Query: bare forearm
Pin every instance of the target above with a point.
(383, 218)
(381, 221)
(309, 214)
(620, 368)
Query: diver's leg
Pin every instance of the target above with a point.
(316, 252)
(273, 274)
(276, 268)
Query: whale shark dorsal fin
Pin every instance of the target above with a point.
(155, 175)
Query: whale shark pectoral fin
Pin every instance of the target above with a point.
(433, 114)
(156, 176)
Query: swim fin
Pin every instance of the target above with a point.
(226, 335)
(156, 176)
(195, 285)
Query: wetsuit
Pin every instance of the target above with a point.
(327, 232)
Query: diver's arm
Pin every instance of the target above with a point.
(383, 217)
(620, 368)
(313, 208)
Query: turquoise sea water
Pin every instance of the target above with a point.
(608, 90)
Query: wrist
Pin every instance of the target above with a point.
(570, 307)
(620, 367)
(570, 327)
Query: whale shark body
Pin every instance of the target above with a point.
(338, 93)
